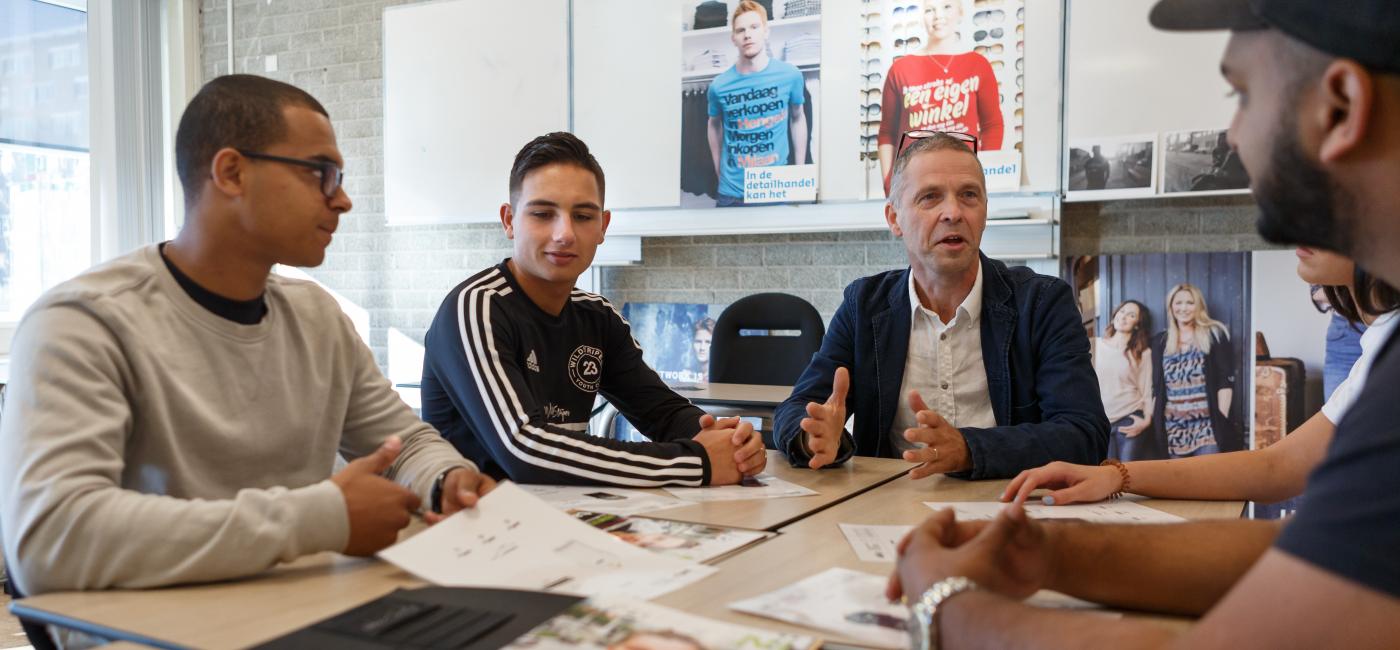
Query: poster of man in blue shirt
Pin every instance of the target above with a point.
(755, 110)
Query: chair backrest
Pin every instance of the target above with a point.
(774, 360)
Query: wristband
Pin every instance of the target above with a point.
(1122, 471)
(435, 503)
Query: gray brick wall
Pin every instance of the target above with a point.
(720, 270)
(1174, 225)
(332, 48)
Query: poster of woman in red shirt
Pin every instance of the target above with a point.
(942, 76)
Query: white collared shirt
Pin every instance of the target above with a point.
(945, 365)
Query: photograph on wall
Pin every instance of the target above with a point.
(1112, 167)
(942, 66)
(1201, 161)
(750, 71)
(1169, 335)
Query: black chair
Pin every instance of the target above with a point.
(766, 338)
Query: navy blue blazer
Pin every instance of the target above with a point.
(1043, 389)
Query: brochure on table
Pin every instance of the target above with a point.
(763, 486)
(679, 539)
(618, 623)
(512, 539)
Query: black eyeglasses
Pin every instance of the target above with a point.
(331, 174)
(919, 134)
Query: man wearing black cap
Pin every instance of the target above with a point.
(1318, 130)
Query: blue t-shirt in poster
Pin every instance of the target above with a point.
(754, 109)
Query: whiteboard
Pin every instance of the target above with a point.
(1125, 77)
(627, 96)
(466, 84)
(1044, 45)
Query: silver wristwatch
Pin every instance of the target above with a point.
(922, 634)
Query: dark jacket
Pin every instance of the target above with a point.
(1220, 374)
(513, 387)
(1043, 389)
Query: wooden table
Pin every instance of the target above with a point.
(247, 612)
(223, 615)
(833, 485)
(816, 543)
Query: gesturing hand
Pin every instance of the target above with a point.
(825, 422)
(377, 507)
(945, 449)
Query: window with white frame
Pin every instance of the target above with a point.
(17, 64)
(65, 56)
(45, 201)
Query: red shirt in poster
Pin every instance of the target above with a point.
(942, 92)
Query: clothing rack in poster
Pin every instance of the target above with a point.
(752, 142)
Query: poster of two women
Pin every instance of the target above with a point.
(1169, 335)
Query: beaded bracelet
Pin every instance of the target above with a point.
(1122, 470)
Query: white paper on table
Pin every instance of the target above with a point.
(614, 501)
(679, 539)
(842, 601)
(514, 540)
(604, 622)
(772, 488)
(1104, 512)
(875, 543)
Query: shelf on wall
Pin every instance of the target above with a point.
(772, 25)
(1090, 197)
(1019, 226)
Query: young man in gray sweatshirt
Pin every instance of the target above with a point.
(174, 414)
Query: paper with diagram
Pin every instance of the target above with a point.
(875, 543)
(514, 540)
